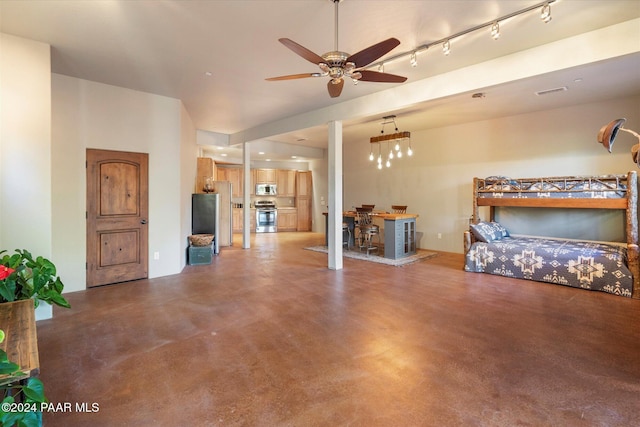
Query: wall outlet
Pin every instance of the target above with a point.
(156, 255)
(439, 235)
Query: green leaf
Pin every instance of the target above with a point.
(34, 390)
(8, 290)
(31, 419)
(8, 368)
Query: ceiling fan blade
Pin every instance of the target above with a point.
(370, 54)
(335, 89)
(294, 76)
(302, 51)
(374, 76)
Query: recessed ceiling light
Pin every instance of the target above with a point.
(294, 157)
(268, 160)
(208, 73)
(578, 80)
(479, 95)
(260, 152)
(224, 154)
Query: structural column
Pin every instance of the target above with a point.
(334, 229)
(246, 193)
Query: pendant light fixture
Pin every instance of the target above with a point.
(394, 142)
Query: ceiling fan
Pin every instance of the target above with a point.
(340, 65)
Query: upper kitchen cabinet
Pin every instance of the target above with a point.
(266, 176)
(286, 180)
(205, 168)
(234, 175)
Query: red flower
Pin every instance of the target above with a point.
(5, 272)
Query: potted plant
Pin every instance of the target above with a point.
(24, 277)
(28, 410)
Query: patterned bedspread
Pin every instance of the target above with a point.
(586, 265)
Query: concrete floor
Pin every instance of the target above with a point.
(270, 337)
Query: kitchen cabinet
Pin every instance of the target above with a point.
(266, 176)
(304, 187)
(286, 180)
(205, 168)
(234, 176)
(287, 219)
(237, 220)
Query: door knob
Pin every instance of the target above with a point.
(143, 221)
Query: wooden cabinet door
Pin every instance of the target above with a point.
(303, 184)
(237, 220)
(234, 175)
(266, 176)
(287, 220)
(303, 200)
(221, 174)
(205, 169)
(287, 183)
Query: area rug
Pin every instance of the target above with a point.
(418, 256)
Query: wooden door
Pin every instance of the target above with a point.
(117, 213)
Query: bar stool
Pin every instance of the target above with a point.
(345, 228)
(367, 230)
(400, 209)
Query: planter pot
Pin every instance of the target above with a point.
(44, 310)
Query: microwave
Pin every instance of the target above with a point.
(266, 190)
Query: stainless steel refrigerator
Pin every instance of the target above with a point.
(205, 217)
(224, 189)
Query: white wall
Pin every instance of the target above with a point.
(188, 167)
(94, 115)
(25, 154)
(436, 182)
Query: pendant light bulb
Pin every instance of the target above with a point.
(371, 156)
(409, 152)
(379, 165)
(399, 155)
(397, 147)
(388, 164)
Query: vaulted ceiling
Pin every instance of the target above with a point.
(215, 55)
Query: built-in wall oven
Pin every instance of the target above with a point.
(266, 216)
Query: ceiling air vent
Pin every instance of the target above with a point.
(549, 91)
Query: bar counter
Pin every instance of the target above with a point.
(399, 232)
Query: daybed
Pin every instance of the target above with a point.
(607, 267)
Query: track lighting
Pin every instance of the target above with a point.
(494, 26)
(446, 47)
(545, 13)
(495, 30)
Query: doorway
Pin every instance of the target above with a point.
(117, 213)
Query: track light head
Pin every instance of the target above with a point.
(545, 13)
(495, 30)
(446, 47)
